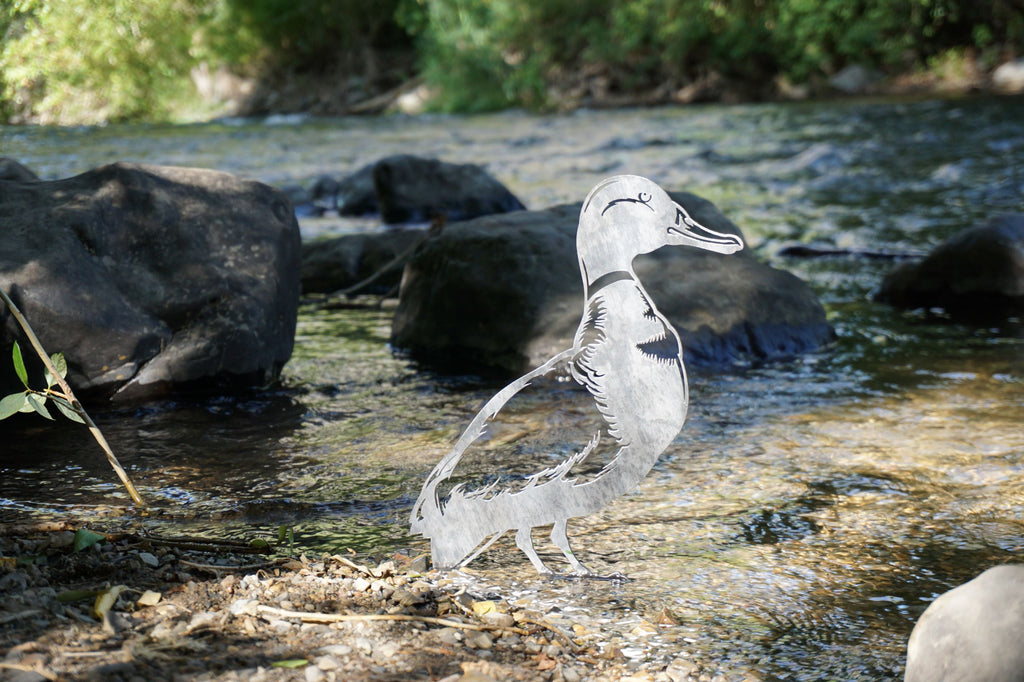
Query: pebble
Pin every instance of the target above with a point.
(336, 650)
(364, 645)
(329, 662)
(386, 650)
(450, 635)
(480, 640)
(314, 674)
(244, 607)
(149, 559)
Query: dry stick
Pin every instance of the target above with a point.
(70, 396)
(309, 617)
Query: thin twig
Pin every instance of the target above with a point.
(70, 396)
(307, 617)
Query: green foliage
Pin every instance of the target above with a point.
(491, 53)
(31, 400)
(79, 61)
(97, 60)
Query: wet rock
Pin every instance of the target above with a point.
(973, 632)
(355, 193)
(335, 263)
(1009, 77)
(11, 170)
(414, 189)
(502, 294)
(976, 274)
(151, 278)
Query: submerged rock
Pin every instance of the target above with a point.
(978, 273)
(502, 294)
(335, 263)
(973, 632)
(152, 278)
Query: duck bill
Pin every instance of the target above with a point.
(689, 232)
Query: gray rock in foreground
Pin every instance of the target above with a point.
(152, 278)
(978, 273)
(501, 294)
(973, 633)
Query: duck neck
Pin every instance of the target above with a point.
(601, 260)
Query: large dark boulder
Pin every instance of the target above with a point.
(973, 633)
(978, 273)
(330, 264)
(503, 293)
(414, 189)
(152, 278)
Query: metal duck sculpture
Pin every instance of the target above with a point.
(625, 354)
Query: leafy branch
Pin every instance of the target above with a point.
(57, 391)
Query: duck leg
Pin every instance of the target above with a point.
(561, 540)
(524, 541)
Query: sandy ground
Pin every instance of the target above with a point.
(132, 607)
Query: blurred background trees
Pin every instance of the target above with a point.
(96, 60)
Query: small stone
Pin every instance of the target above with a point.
(360, 584)
(570, 675)
(149, 559)
(480, 640)
(244, 607)
(314, 674)
(450, 635)
(329, 662)
(496, 618)
(386, 650)
(364, 645)
(335, 650)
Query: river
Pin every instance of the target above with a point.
(809, 511)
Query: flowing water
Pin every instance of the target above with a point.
(808, 512)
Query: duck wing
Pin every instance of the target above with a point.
(486, 457)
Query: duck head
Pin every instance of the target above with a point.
(626, 216)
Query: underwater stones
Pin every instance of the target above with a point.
(152, 278)
(973, 632)
(978, 273)
(333, 263)
(500, 294)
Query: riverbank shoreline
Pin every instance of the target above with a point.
(137, 607)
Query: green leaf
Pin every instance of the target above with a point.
(60, 364)
(85, 538)
(68, 411)
(38, 403)
(19, 364)
(78, 595)
(12, 404)
(290, 663)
